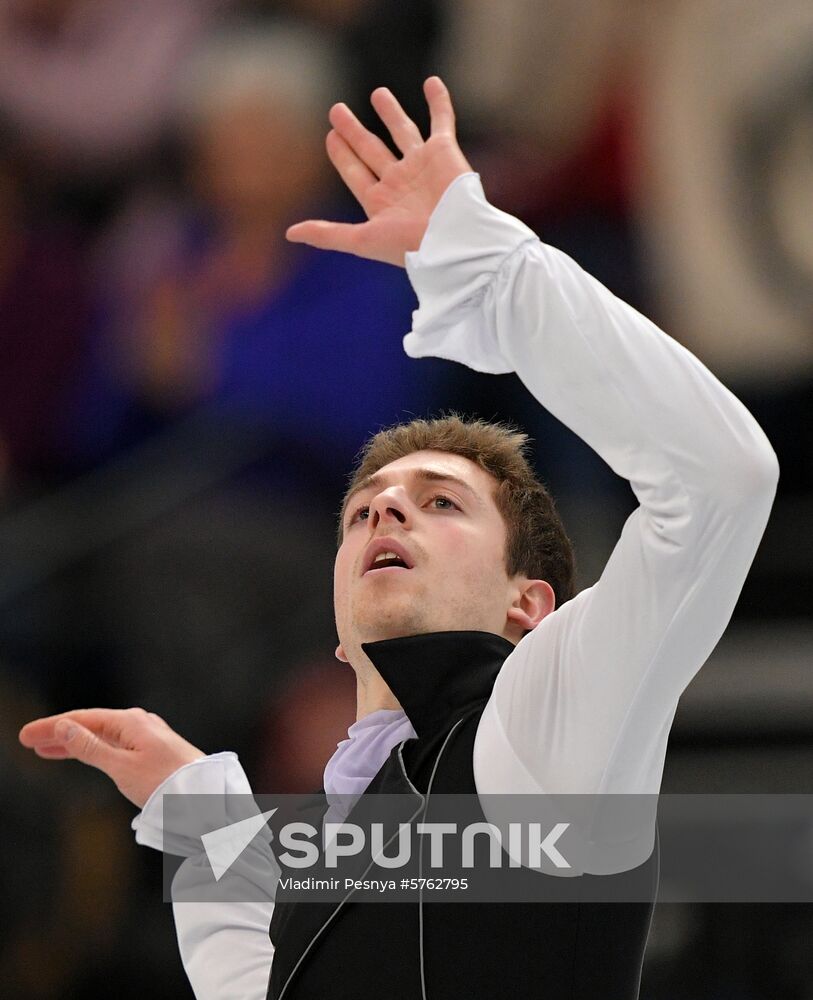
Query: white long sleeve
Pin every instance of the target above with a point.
(585, 702)
(224, 946)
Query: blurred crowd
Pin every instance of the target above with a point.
(183, 392)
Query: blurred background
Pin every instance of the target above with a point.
(182, 394)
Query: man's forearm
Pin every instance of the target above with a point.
(222, 929)
(644, 403)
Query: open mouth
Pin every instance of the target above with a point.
(386, 554)
(387, 561)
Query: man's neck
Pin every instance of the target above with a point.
(372, 694)
(372, 691)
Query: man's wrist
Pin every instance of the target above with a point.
(215, 774)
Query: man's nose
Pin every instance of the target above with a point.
(389, 505)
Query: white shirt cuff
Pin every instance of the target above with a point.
(465, 244)
(218, 774)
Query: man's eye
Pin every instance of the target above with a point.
(445, 500)
(357, 515)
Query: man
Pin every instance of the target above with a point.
(469, 677)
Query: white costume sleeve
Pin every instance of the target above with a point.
(225, 947)
(585, 702)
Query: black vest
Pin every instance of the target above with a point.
(440, 950)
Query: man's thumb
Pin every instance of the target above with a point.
(83, 745)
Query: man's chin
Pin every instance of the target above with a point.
(391, 623)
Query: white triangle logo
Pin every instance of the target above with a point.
(224, 846)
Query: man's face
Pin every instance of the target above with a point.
(436, 511)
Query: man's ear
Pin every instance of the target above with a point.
(340, 654)
(534, 602)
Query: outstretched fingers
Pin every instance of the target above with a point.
(90, 735)
(441, 112)
(106, 722)
(372, 152)
(405, 133)
(355, 174)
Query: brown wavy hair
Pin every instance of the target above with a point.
(537, 544)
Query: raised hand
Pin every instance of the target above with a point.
(137, 749)
(397, 195)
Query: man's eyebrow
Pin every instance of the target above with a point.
(422, 475)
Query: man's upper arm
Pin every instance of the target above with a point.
(586, 700)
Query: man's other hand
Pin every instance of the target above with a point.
(137, 749)
(397, 195)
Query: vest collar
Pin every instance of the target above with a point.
(436, 675)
